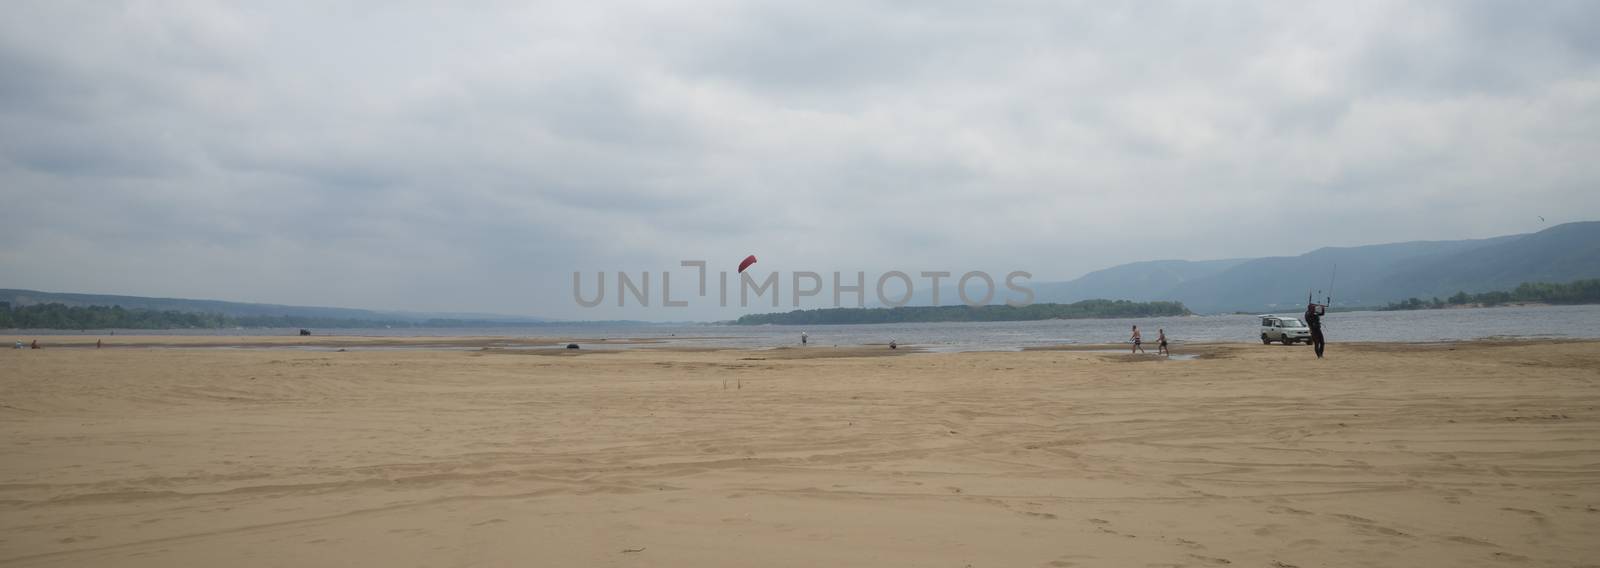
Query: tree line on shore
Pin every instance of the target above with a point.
(1575, 292)
(62, 316)
(926, 314)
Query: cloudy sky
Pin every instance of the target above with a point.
(399, 155)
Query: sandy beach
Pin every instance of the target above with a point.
(173, 452)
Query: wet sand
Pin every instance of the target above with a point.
(1476, 454)
(340, 341)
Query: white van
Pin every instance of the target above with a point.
(1287, 329)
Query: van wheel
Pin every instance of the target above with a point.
(1264, 340)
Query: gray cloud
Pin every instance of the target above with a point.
(401, 156)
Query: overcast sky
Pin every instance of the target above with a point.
(399, 155)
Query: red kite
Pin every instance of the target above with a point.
(749, 260)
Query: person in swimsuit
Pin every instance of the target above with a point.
(1161, 343)
(1137, 341)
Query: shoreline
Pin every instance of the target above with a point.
(556, 345)
(657, 344)
(731, 324)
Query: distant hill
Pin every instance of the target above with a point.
(243, 309)
(1367, 276)
(1134, 281)
(1140, 281)
(1559, 254)
(1087, 309)
(1274, 282)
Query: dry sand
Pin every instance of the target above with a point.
(1443, 455)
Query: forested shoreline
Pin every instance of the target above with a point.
(1575, 292)
(1086, 309)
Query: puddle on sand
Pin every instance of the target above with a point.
(1173, 357)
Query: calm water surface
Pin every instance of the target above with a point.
(1422, 325)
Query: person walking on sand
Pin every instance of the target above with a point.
(1138, 340)
(1314, 313)
(1161, 342)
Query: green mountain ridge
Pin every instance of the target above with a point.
(1372, 275)
(1368, 276)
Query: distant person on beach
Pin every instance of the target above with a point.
(18, 345)
(893, 345)
(803, 338)
(1138, 340)
(1161, 343)
(1314, 313)
(35, 344)
(97, 344)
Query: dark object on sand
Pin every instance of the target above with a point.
(305, 332)
(893, 345)
(1314, 314)
(572, 346)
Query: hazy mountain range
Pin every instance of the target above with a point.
(1367, 275)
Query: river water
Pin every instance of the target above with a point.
(1420, 325)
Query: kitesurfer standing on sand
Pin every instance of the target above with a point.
(1314, 321)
